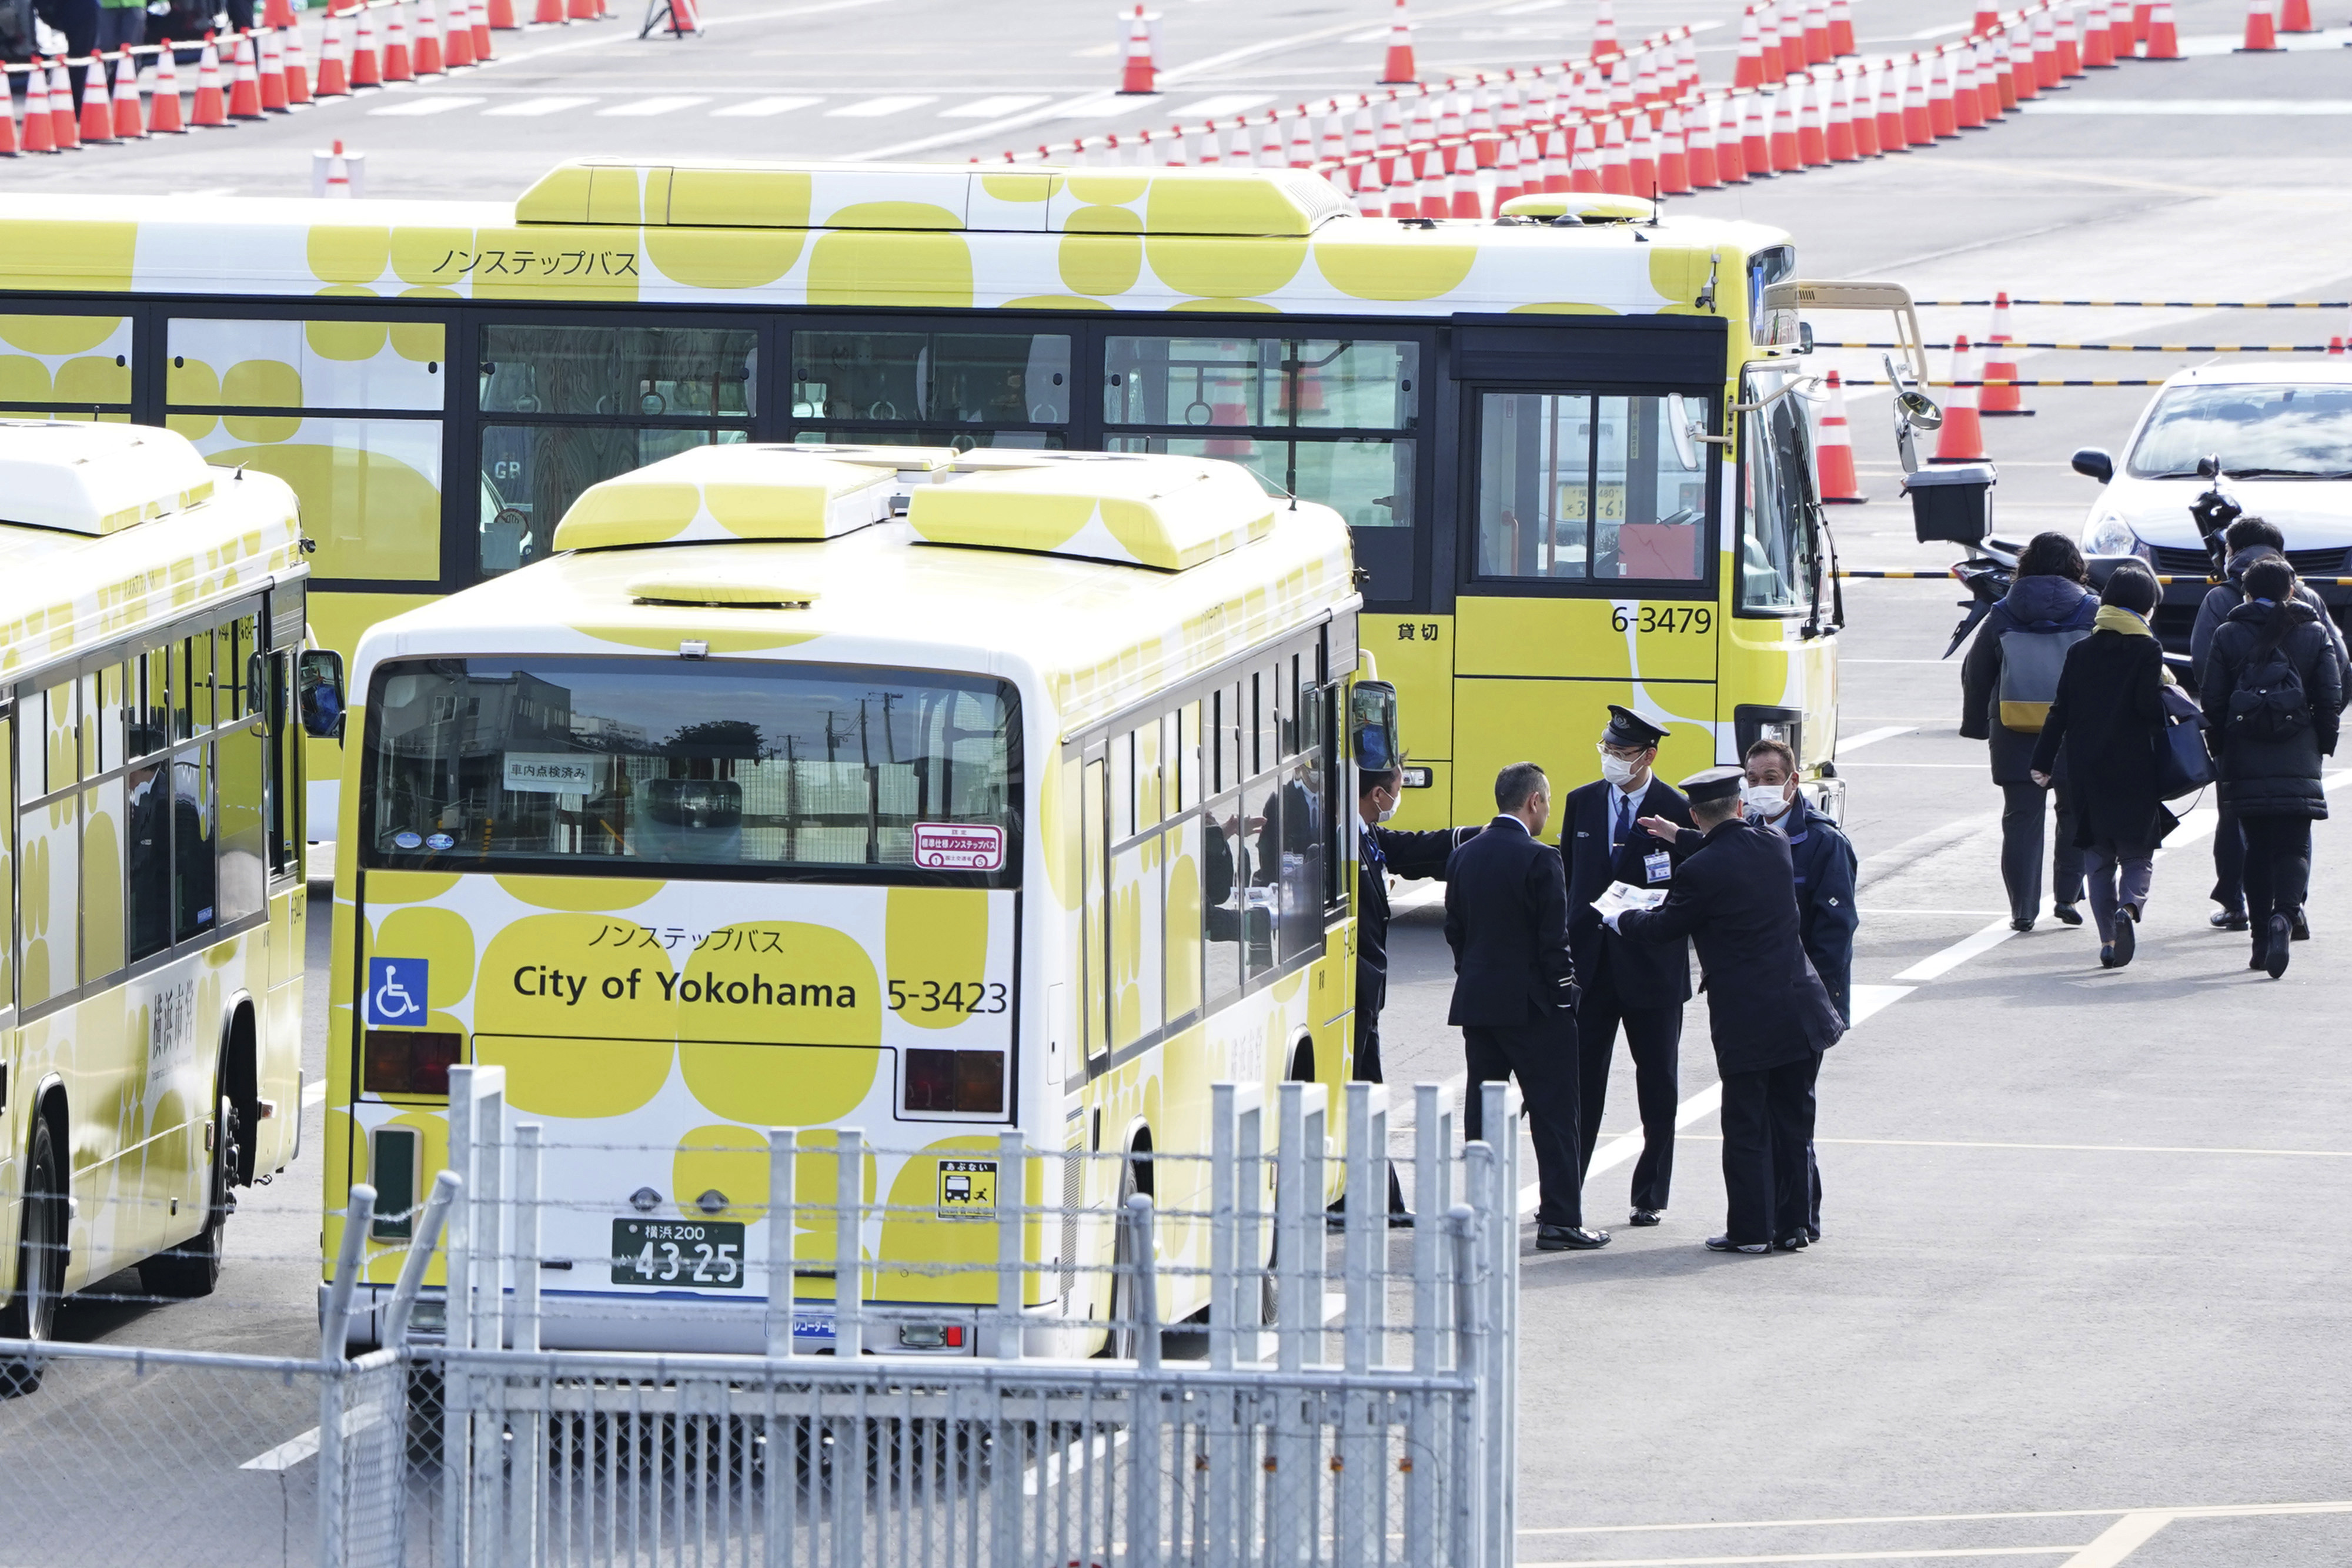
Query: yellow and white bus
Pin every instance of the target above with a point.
(1547, 433)
(932, 793)
(151, 625)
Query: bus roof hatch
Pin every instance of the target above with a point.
(1166, 512)
(709, 494)
(95, 479)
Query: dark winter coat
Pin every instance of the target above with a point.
(2042, 604)
(1824, 863)
(2109, 716)
(2224, 597)
(2272, 777)
(1506, 921)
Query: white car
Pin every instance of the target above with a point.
(2283, 433)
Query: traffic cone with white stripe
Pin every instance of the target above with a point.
(297, 69)
(457, 38)
(97, 103)
(1842, 43)
(277, 13)
(1918, 122)
(397, 65)
(1889, 117)
(335, 76)
(1865, 118)
(1730, 147)
(367, 60)
(7, 118)
(2070, 48)
(164, 116)
(2046, 54)
(129, 124)
(339, 175)
(273, 74)
(1641, 157)
(1748, 73)
(2261, 30)
(2163, 37)
(1834, 452)
(1962, 438)
(61, 106)
(2295, 16)
(1769, 36)
(212, 104)
(1699, 145)
(1604, 34)
(2099, 39)
(1756, 139)
(1813, 132)
(1817, 33)
(1837, 143)
(1616, 165)
(40, 132)
(1942, 115)
(1783, 146)
(499, 16)
(1673, 156)
(1398, 68)
(478, 18)
(245, 89)
(1136, 77)
(2000, 364)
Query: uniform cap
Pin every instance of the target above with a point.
(1627, 728)
(1715, 784)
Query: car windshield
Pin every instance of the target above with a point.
(2283, 430)
(619, 766)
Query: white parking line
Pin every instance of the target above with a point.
(436, 103)
(1959, 953)
(760, 108)
(2193, 1510)
(286, 1455)
(1946, 1553)
(877, 108)
(989, 108)
(533, 108)
(1224, 103)
(1872, 737)
(314, 1093)
(645, 108)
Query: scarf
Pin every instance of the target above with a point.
(2116, 618)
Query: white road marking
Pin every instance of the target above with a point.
(2119, 1540)
(1926, 32)
(645, 108)
(1936, 767)
(1872, 737)
(2194, 107)
(2194, 1511)
(2088, 1148)
(286, 1455)
(989, 108)
(1529, 7)
(760, 108)
(1947, 1553)
(1959, 953)
(1874, 911)
(1224, 104)
(533, 108)
(433, 103)
(314, 1093)
(878, 108)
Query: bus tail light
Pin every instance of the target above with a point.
(966, 1081)
(408, 1062)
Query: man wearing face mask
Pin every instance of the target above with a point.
(1642, 986)
(1380, 852)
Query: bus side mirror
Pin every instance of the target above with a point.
(1373, 725)
(319, 692)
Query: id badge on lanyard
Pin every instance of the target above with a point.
(1659, 867)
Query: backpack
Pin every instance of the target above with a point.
(2268, 702)
(2029, 663)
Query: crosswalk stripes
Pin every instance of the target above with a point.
(429, 102)
(533, 108)
(994, 108)
(437, 103)
(761, 107)
(877, 108)
(647, 107)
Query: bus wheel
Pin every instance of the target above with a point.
(193, 1267)
(32, 1312)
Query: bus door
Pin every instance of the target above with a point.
(1779, 666)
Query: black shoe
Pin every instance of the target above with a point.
(1813, 1233)
(1569, 1239)
(2106, 955)
(2227, 920)
(1646, 1216)
(2301, 923)
(2260, 960)
(2067, 913)
(2023, 923)
(1726, 1244)
(2282, 932)
(1795, 1241)
(1400, 1221)
(2127, 935)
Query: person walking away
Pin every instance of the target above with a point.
(2249, 539)
(1515, 990)
(1767, 1014)
(120, 23)
(2106, 729)
(1379, 851)
(2274, 697)
(1641, 986)
(2007, 681)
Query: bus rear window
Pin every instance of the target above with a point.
(761, 771)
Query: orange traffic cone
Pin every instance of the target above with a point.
(1756, 139)
(1642, 157)
(7, 120)
(1747, 72)
(1817, 33)
(478, 18)
(273, 75)
(580, 10)
(2070, 48)
(1834, 451)
(1698, 131)
(163, 117)
(2295, 16)
(2000, 364)
(1864, 118)
(1840, 29)
(1604, 34)
(1986, 21)
(1967, 102)
(1730, 147)
(1889, 118)
(549, 13)
(1838, 143)
(1398, 68)
(367, 61)
(1942, 117)
(457, 42)
(2163, 37)
(1918, 122)
(129, 124)
(1787, 151)
(500, 16)
(40, 130)
(1616, 164)
(1962, 437)
(97, 103)
(2261, 30)
(339, 174)
(2099, 39)
(396, 65)
(334, 76)
(1674, 157)
(297, 69)
(1776, 61)
(277, 13)
(2045, 52)
(245, 89)
(62, 120)
(1139, 71)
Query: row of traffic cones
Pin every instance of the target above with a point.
(1972, 398)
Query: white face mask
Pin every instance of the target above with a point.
(1617, 770)
(1765, 800)
(1387, 811)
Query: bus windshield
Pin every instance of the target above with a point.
(2286, 431)
(601, 765)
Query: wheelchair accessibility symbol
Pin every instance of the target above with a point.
(398, 992)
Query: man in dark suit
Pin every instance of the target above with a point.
(1640, 985)
(1767, 1010)
(1381, 851)
(1515, 989)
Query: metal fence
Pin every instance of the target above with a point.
(1351, 1405)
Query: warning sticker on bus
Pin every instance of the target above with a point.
(960, 846)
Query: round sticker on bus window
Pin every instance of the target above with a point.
(960, 846)
(440, 841)
(408, 841)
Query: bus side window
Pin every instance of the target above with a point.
(1093, 908)
(1223, 899)
(1136, 946)
(147, 859)
(285, 758)
(1188, 759)
(194, 876)
(1180, 848)
(7, 860)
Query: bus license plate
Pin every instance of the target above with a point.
(691, 1254)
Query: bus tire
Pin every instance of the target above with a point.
(192, 1268)
(32, 1310)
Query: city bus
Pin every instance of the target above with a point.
(1556, 437)
(150, 979)
(933, 793)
